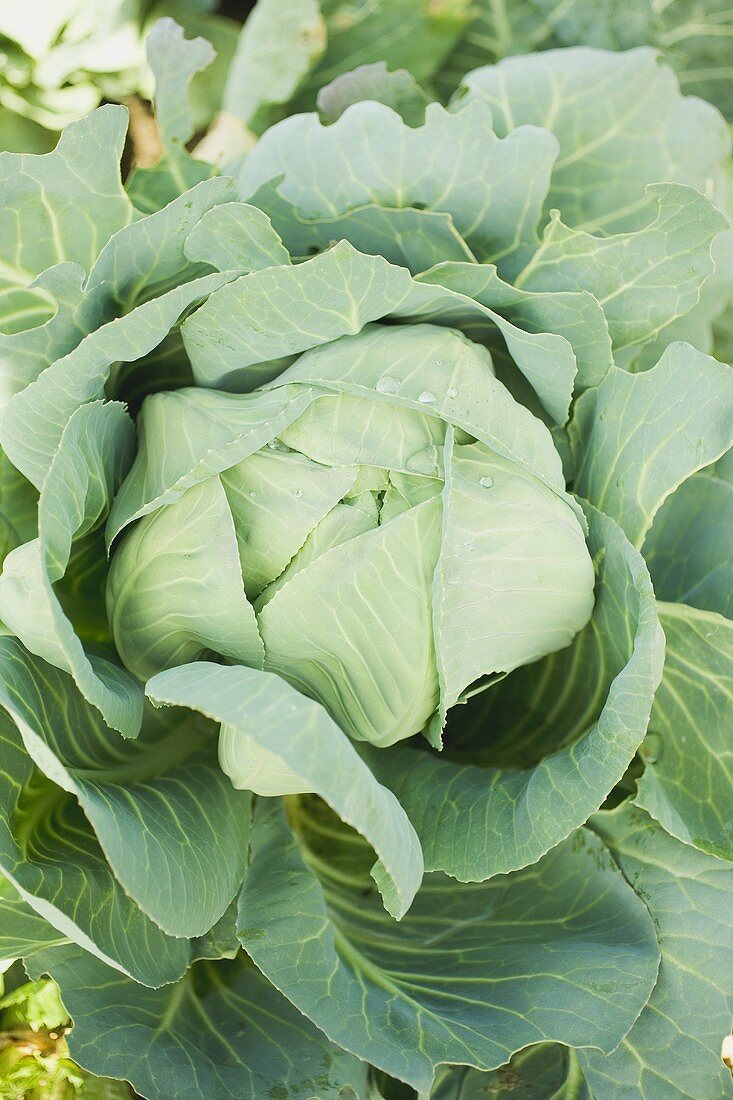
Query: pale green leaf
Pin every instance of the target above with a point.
(223, 1031)
(35, 419)
(437, 372)
(22, 930)
(175, 60)
(514, 580)
(274, 741)
(151, 256)
(344, 429)
(576, 315)
(24, 354)
(156, 623)
(687, 783)
(63, 205)
(398, 90)
(281, 40)
(417, 239)
(673, 1050)
(643, 279)
(563, 950)
(50, 853)
(453, 163)
(171, 827)
(546, 359)
(277, 498)
(354, 628)
(94, 454)
(688, 546)
(140, 261)
(214, 431)
(638, 436)
(621, 123)
(236, 237)
(406, 236)
(277, 312)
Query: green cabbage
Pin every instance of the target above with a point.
(347, 498)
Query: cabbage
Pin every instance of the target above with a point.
(347, 498)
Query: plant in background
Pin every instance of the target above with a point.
(59, 60)
(34, 1061)
(338, 492)
(694, 38)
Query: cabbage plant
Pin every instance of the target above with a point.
(348, 497)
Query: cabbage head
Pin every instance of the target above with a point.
(379, 544)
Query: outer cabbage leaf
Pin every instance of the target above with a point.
(139, 262)
(398, 90)
(167, 778)
(639, 436)
(238, 339)
(448, 985)
(608, 112)
(274, 741)
(221, 1031)
(66, 204)
(642, 280)
(454, 163)
(94, 453)
(674, 1048)
(688, 545)
(22, 930)
(51, 855)
(688, 779)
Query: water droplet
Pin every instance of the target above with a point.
(387, 385)
(297, 492)
(486, 482)
(426, 397)
(253, 494)
(452, 392)
(278, 445)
